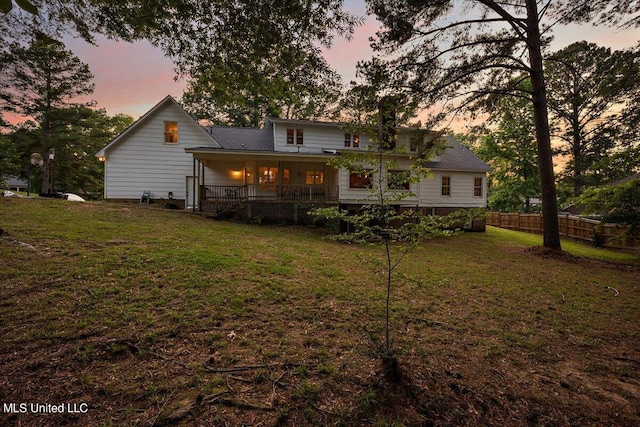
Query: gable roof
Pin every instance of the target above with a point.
(457, 157)
(144, 118)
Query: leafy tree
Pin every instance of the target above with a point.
(42, 79)
(510, 149)
(243, 59)
(239, 92)
(587, 87)
(8, 159)
(464, 50)
(77, 133)
(617, 203)
(388, 172)
(6, 6)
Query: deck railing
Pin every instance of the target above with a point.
(278, 192)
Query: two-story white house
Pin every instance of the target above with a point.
(277, 172)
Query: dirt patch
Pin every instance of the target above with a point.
(166, 319)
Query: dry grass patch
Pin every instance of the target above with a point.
(164, 318)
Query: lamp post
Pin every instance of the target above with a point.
(52, 155)
(47, 172)
(36, 160)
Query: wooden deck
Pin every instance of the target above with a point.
(227, 200)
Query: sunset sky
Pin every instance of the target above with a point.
(131, 78)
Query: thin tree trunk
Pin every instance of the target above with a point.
(551, 231)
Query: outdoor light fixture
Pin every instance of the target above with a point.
(170, 195)
(36, 159)
(236, 173)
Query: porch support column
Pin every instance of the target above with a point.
(194, 185)
(279, 187)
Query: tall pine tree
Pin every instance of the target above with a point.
(588, 87)
(40, 80)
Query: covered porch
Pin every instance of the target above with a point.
(227, 182)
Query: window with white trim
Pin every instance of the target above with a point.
(171, 132)
(477, 187)
(360, 179)
(295, 136)
(446, 186)
(351, 140)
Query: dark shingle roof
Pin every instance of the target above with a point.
(251, 139)
(458, 158)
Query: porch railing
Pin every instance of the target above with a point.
(224, 192)
(278, 192)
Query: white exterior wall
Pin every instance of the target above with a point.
(142, 161)
(462, 184)
(316, 138)
(358, 195)
(224, 172)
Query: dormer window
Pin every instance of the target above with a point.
(351, 140)
(171, 132)
(295, 136)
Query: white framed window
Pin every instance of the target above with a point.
(171, 132)
(477, 187)
(361, 179)
(295, 136)
(267, 178)
(446, 186)
(351, 140)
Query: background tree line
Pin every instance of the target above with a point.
(247, 59)
(43, 87)
(593, 103)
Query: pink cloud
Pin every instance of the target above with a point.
(344, 54)
(130, 78)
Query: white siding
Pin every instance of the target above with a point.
(428, 191)
(316, 138)
(356, 195)
(142, 161)
(462, 184)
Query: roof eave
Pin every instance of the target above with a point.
(103, 151)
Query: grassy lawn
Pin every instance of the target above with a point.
(156, 317)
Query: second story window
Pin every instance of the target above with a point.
(295, 136)
(351, 140)
(171, 132)
(477, 187)
(446, 186)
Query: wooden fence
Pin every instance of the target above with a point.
(570, 226)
